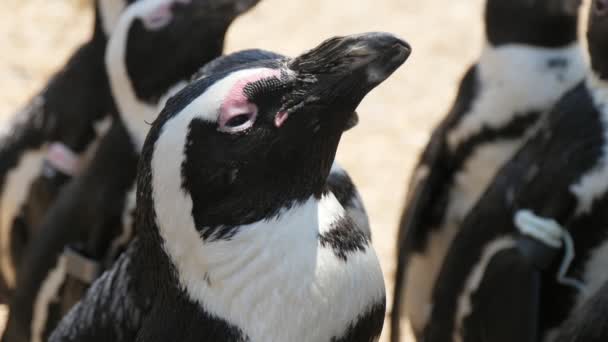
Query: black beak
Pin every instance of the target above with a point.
(375, 55)
(337, 74)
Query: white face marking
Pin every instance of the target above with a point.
(515, 80)
(465, 306)
(592, 185)
(280, 272)
(109, 11)
(135, 113)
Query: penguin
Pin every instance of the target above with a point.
(530, 59)
(46, 144)
(531, 254)
(239, 237)
(146, 61)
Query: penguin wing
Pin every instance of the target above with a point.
(110, 310)
(429, 179)
(425, 191)
(342, 186)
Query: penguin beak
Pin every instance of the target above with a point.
(377, 55)
(336, 75)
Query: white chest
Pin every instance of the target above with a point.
(476, 174)
(275, 281)
(513, 82)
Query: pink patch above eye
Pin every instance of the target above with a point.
(236, 102)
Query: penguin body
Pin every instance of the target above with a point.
(47, 143)
(234, 215)
(92, 215)
(559, 176)
(526, 66)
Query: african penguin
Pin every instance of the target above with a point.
(558, 183)
(155, 46)
(239, 237)
(530, 59)
(43, 146)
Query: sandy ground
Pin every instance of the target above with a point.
(36, 37)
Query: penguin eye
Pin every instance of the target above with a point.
(237, 118)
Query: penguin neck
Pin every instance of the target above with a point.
(135, 113)
(506, 76)
(514, 61)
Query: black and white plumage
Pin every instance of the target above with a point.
(46, 143)
(531, 58)
(156, 46)
(560, 175)
(240, 238)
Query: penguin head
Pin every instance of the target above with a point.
(255, 135)
(158, 43)
(542, 23)
(597, 36)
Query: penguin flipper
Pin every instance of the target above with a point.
(506, 304)
(110, 310)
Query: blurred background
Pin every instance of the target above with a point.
(36, 37)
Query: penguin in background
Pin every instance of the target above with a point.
(530, 257)
(45, 144)
(530, 60)
(239, 237)
(168, 42)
